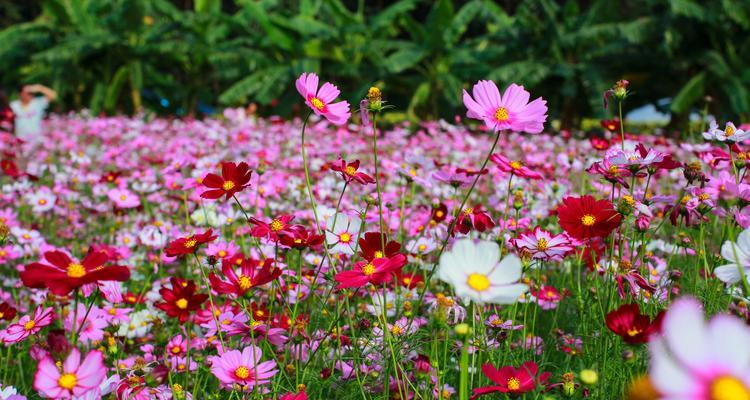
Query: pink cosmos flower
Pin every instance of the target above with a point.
(320, 101)
(695, 360)
(514, 167)
(27, 326)
(123, 198)
(76, 378)
(543, 245)
(511, 111)
(243, 368)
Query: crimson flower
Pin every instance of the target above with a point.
(474, 218)
(510, 380)
(376, 272)
(599, 142)
(272, 230)
(7, 312)
(234, 178)
(585, 217)
(301, 238)
(65, 274)
(189, 244)
(515, 167)
(439, 214)
(10, 168)
(252, 273)
(634, 327)
(371, 246)
(350, 172)
(612, 125)
(409, 280)
(181, 299)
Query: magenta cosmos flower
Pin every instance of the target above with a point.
(243, 369)
(510, 111)
(321, 101)
(28, 325)
(74, 380)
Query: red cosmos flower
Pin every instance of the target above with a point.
(634, 327)
(599, 142)
(234, 178)
(510, 380)
(272, 230)
(189, 244)
(612, 125)
(131, 298)
(514, 167)
(181, 299)
(66, 274)
(439, 214)
(474, 218)
(371, 246)
(10, 168)
(292, 396)
(110, 177)
(376, 272)
(301, 238)
(585, 217)
(252, 273)
(7, 312)
(409, 280)
(349, 172)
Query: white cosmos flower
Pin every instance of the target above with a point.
(475, 271)
(343, 236)
(737, 254)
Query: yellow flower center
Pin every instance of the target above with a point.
(703, 196)
(123, 197)
(629, 199)
(541, 244)
(345, 237)
(176, 349)
(516, 164)
(501, 114)
(397, 330)
(685, 199)
(633, 331)
(478, 282)
(228, 185)
(190, 243)
(29, 325)
(42, 202)
(245, 282)
(729, 131)
(75, 270)
(350, 170)
(514, 384)
(729, 388)
(588, 220)
(468, 211)
(422, 247)
(276, 225)
(181, 304)
(317, 103)
(67, 381)
(378, 254)
(242, 372)
(368, 269)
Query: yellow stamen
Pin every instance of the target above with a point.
(501, 114)
(368, 269)
(181, 304)
(228, 185)
(67, 381)
(478, 282)
(729, 388)
(317, 103)
(75, 270)
(588, 220)
(514, 384)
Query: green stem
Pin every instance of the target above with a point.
(377, 175)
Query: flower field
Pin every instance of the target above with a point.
(327, 257)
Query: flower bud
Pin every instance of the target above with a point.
(375, 99)
(642, 223)
(589, 377)
(462, 329)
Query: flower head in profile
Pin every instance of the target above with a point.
(738, 255)
(585, 217)
(242, 370)
(350, 172)
(730, 133)
(511, 111)
(514, 167)
(321, 100)
(475, 271)
(511, 380)
(695, 359)
(28, 325)
(63, 274)
(189, 244)
(634, 327)
(234, 179)
(73, 379)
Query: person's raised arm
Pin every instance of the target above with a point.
(50, 94)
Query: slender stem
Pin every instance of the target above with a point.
(377, 175)
(622, 125)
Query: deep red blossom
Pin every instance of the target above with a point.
(409, 280)
(189, 244)
(301, 238)
(234, 179)
(511, 380)
(252, 273)
(7, 312)
(439, 214)
(599, 142)
(62, 275)
(181, 300)
(371, 246)
(474, 218)
(274, 229)
(350, 172)
(634, 327)
(10, 168)
(585, 217)
(612, 125)
(376, 272)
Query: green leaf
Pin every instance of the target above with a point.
(404, 59)
(689, 94)
(115, 87)
(262, 86)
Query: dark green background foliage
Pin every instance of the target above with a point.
(118, 55)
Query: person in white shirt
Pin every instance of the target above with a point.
(29, 111)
